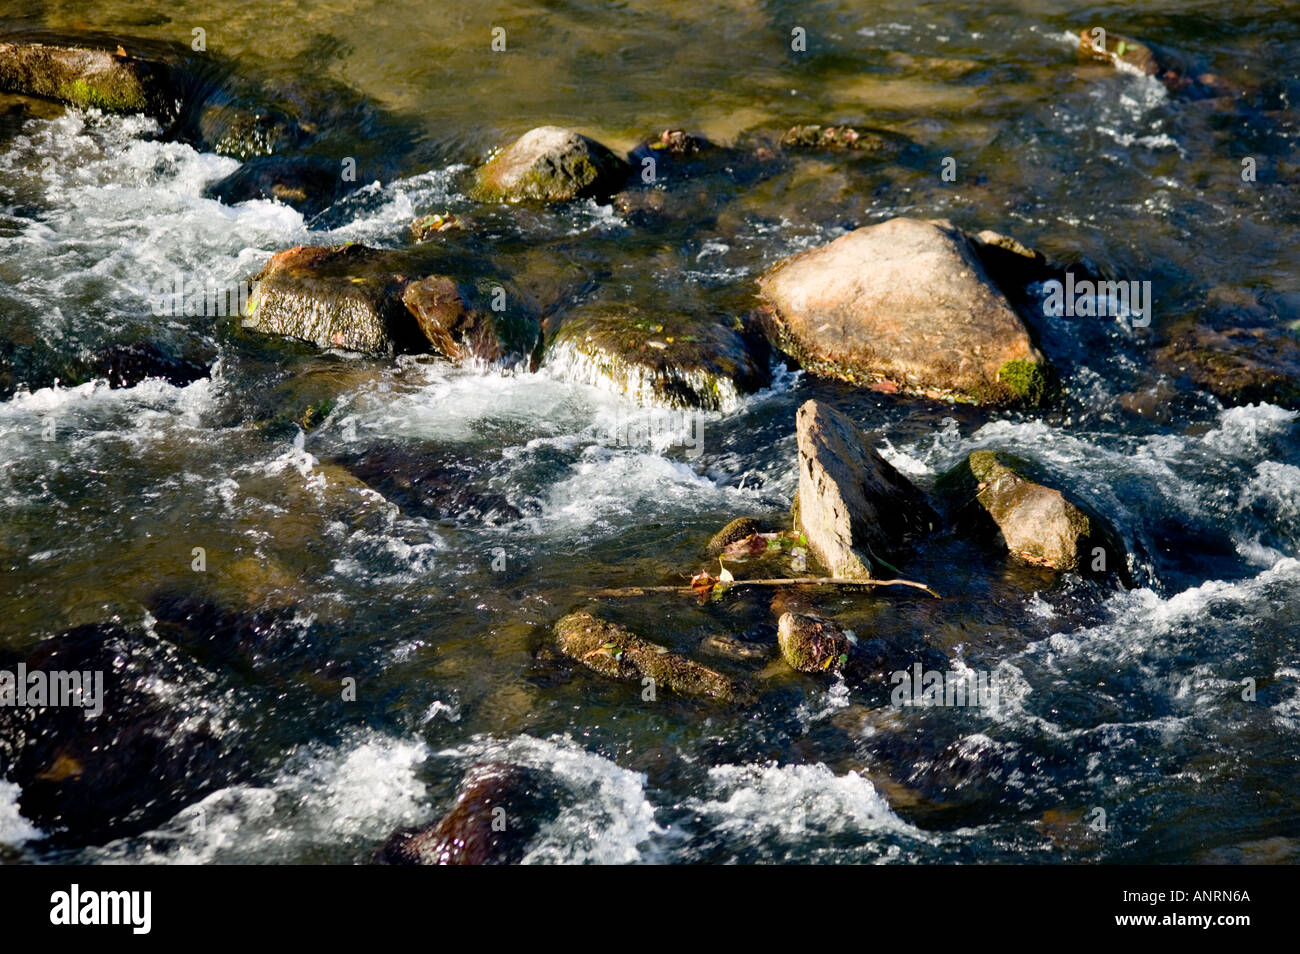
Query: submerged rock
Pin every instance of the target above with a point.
(126, 365)
(873, 142)
(1236, 365)
(905, 303)
(334, 296)
(244, 132)
(612, 651)
(550, 164)
(438, 485)
(814, 644)
(659, 359)
(1037, 523)
(155, 747)
(854, 507)
(305, 183)
(499, 809)
(85, 75)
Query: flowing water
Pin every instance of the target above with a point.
(1128, 701)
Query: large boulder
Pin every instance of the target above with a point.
(362, 299)
(84, 75)
(905, 304)
(334, 296)
(499, 808)
(854, 507)
(549, 164)
(663, 359)
(612, 651)
(1038, 524)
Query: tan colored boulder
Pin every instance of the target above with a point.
(1039, 524)
(904, 304)
(854, 507)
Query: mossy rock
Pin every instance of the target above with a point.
(549, 164)
(812, 643)
(737, 529)
(1037, 523)
(335, 296)
(613, 652)
(1027, 381)
(662, 359)
(86, 76)
(850, 139)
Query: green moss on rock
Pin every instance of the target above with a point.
(1026, 380)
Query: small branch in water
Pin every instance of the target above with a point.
(794, 581)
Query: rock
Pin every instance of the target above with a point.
(427, 226)
(266, 642)
(334, 296)
(158, 745)
(1038, 524)
(738, 529)
(735, 648)
(1170, 69)
(126, 365)
(244, 132)
(454, 330)
(499, 808)
(550, 164)
(1117, 49)
(305, 183)
(658, 358)
(1236, 365)
(358, 298)
(86, 76)
(853, 505)
(905, 303)
(874, 142)
(432, 484)
(771, 555)
(812, 643)
(612, 651)
(1011, 264)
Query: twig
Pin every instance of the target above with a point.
(796, 581)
